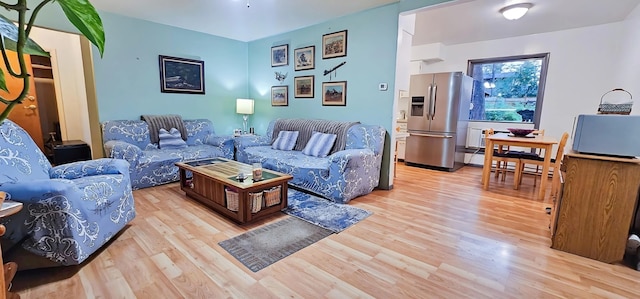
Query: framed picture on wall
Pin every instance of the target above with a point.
(280, 96)
(305, 58)
(181, 75)
(334, 44)
(280, 55)
(303, 87)
(334, 93)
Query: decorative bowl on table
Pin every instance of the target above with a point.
(520, 132)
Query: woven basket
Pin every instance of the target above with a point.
(256, 202)
(272, 196)
(609, 108)
(232, 200)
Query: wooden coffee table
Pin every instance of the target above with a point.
(214, 183)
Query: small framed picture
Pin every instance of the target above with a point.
(303, 87)
(280, 96)
(334, 44)
(304, 58)
(280, 55)
(334, 93)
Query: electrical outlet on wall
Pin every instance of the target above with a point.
(382, 86)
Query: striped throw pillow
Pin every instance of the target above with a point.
(319, 144)
(171, 139)
(285, 141)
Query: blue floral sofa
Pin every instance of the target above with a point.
(152, 166)
(339, 177)
(69, 211)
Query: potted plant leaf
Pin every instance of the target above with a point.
(80, 13)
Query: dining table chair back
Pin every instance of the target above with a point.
(555, 164)
(502, 157)
(555, 179)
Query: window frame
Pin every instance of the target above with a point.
(541, 86)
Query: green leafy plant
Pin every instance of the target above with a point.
(16, 38)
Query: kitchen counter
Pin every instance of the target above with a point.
(401, 135)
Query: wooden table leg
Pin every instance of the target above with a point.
(486, 168)
(517, 174)
(545, 171)
(8, 272)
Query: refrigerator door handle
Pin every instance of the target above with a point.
(432, 107)
(429, 108)
(430, 135)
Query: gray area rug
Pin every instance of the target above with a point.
(266, 245)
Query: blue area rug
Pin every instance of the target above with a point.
(322, 212)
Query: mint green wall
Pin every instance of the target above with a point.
(127, 77)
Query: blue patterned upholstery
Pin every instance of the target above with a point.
(70, 210)
(340, 177)
(151, 166)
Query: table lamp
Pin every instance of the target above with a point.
(244, 107)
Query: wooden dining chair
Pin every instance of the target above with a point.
(513, 154)
(502, 157)
(539, 161)
(538, 152)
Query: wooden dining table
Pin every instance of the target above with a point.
(505, 139)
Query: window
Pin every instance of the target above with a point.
(508, 89)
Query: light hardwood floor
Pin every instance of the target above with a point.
(435, 235)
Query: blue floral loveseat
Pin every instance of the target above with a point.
(346, 173)
(150, 165)
(69, 211)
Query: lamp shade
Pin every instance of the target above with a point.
(244, 106)
(515, 11)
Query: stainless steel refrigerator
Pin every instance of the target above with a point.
(438, 119)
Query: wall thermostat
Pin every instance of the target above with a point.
(382, 86)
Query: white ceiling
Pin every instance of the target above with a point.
(460, 21)
(233, 19)
(478, 20)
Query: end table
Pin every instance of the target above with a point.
(9, 269)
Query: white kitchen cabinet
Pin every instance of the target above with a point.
(401, 129)
(401, 147)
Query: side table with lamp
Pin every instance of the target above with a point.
(244, 107)
(8, 269)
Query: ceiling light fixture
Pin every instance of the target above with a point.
(515, 11)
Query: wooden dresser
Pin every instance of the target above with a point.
(593, 214)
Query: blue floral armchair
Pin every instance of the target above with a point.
(70, 210)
